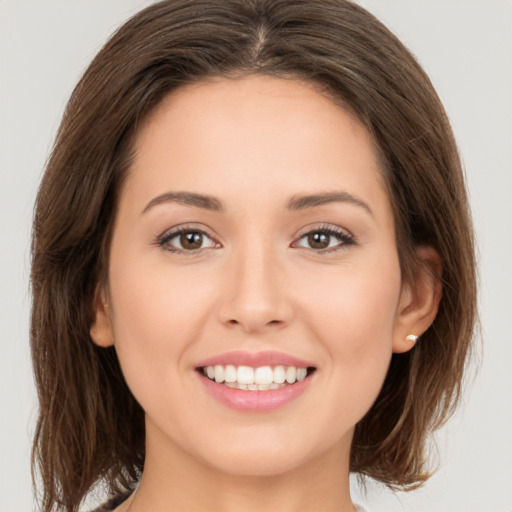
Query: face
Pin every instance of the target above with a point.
(253, 232)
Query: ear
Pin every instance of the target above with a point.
(419, 300)
(101, 328)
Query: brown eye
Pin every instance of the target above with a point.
(186, 240)
(191, 240)
(325, 239)
(319, 240)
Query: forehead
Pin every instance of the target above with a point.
(259, 133)
(250, 103)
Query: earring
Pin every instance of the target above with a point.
(412, 337)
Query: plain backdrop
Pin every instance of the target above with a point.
(465, 46)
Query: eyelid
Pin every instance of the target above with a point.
(171, 233)
(346, 237)
(343, 235)
(323, 226)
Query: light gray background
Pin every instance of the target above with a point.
(465, 45)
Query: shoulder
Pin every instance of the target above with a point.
(117, 500)
(112, 503)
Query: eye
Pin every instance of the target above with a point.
(325, 239)
(186, 240)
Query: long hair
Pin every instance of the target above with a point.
(90, 429)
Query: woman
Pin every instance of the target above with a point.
(252, 211)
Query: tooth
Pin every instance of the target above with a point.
(219, 373)
(230, 373)
(263, 375)
(279, 374)
(261, 378)
(245, 375)
(291, 374)
(301, 373)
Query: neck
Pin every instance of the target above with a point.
(174, 480)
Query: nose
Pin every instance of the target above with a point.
(256, 297)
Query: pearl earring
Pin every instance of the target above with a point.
(412, 337)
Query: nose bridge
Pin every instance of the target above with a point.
(256, 296)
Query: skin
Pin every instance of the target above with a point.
(255, 284)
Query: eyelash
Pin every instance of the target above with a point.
(344, 238)
(164, 239)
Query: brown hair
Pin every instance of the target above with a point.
(90, 428)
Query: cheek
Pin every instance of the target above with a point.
(352, 313)
(355, 301)
(157, 314)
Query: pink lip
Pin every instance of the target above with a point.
(255, 401)
(265, 358)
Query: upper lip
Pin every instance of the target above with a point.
(255, 359)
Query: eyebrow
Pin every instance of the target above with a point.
(297, 202)
(188, 199)
(302, 202)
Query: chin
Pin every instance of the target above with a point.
(265, 454)
(258, 463)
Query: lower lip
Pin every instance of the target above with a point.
(255, 401)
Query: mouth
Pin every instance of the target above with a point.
(261, 378)
(257, 382)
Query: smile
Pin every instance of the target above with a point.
(262, 378)
(256, 382)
